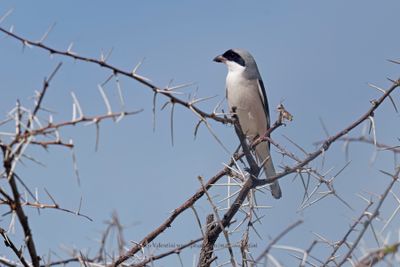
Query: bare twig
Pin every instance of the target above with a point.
(46, 84)
(10, 244)
(352, 228)
(218, 221)
(277, 238)
(372, 216)
(146, 82)
(378, 255)
(177, 250)
(330, 140)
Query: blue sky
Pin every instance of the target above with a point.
(317, 57)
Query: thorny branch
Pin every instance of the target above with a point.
(10, 244)
(330, 140)
(115, 70)
(352, 228)
(371, 217)
(25, 138)
(378, 255)
(168, 253)
(9, 160)
(214, 229)
(363, 139)
(251, 182)
(276, 239)
(15, 205)
(14, 150)
(186, 205)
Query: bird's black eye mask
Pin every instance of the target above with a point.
(235, 57)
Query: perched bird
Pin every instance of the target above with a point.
(247, 98)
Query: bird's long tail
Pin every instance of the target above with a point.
(263, 154)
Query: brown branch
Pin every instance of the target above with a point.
(9, 158)
(186, 205)
(16, 205)
(157, 90)
(46, 84)
(376, 256)
(372, 216)
(277, 238)
(254, 169)
(102, 63)
(7, 262)
(51, 127)
(46, 144)
(328, 142)
(11, 245)
(178, 250)
(207, 248)
(251, 182)
(228, 216)
(54, 206)
(363, 139)
(114, 223)
(215, 229)
(79, 258)
(338, 244)
(211, 240)
(167, 223)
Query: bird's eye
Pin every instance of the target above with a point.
(235, 57)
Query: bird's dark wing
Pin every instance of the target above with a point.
(264, 100)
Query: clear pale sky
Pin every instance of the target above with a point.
(317, 57)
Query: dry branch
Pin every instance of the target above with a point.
(21, 138)
(102, 63)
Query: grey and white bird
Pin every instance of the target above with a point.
(247, 97)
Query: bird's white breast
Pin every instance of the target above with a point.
(244, 94)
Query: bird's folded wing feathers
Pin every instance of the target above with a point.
(264, 100)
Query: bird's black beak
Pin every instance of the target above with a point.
(219, 59)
